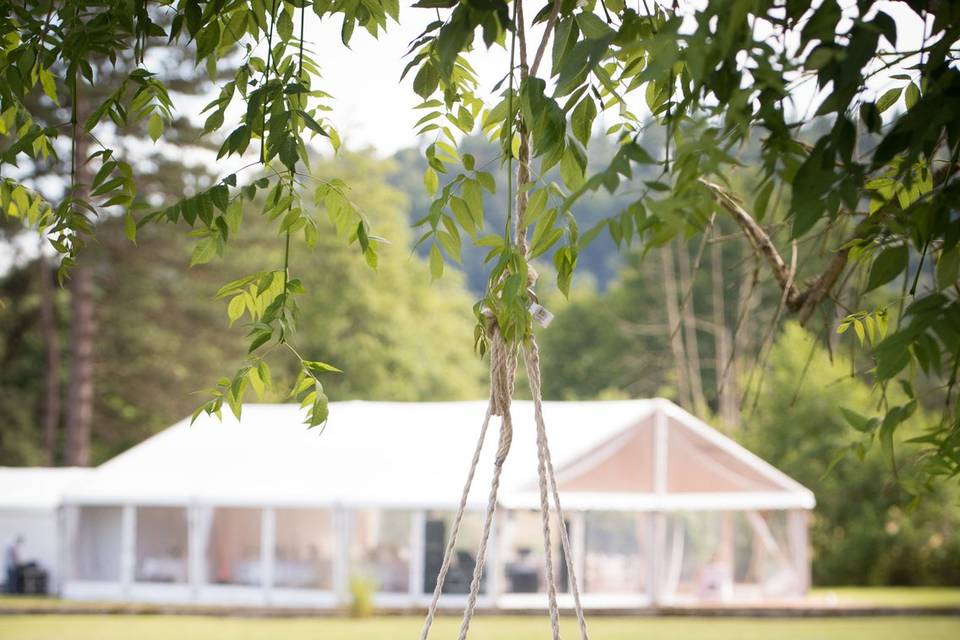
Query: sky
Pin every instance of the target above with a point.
(371, 106)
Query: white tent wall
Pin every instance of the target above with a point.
(38, 527)
(30, 500)
(705, 556)
(660, 510)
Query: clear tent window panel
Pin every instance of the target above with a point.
(729, 555)
(379, 548)
(233, 547)
(161, 545)
(97, 544)
(696, 562)
(524, 563)
(304, 549)
(617, 548)
(766, 565)
(437, 529)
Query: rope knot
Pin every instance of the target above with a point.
(503, 369)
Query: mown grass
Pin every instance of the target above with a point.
(891, 596)
(124, 627)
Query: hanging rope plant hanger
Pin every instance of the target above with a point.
(504, 356)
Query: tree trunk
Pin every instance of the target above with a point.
(747, 300)
(80, 394)
(688, 314)
(726, 395)
(79, 412)
(48, 327)
(673, 324)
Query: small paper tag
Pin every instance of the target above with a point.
(540, 315)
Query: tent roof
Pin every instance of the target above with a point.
(417, 454)
(36, 487)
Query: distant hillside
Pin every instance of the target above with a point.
(600, 261)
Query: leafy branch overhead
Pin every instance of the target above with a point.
(856, 133)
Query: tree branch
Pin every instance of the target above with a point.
(803, 303)
(547, 30)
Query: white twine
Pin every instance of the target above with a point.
(502, 374)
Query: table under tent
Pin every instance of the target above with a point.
(661, 509)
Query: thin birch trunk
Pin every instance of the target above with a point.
(689, 317)
(48, 328)
(673, 322)
(726, 397)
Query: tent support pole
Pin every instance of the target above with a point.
(341, 581)
(128, 533)
(799, 531)
(195, 549)
(658, 547)
(268, 537)
(418, 522)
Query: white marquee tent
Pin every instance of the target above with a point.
(29, 503)
(660, 509)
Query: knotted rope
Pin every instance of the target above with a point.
(532, 361)
(503, 367)
(503, 364)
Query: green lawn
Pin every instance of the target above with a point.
(913, 597)
(85, 627)
(891, 596)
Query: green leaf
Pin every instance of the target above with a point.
(858, 328)
(887, 266)
(487, 182)
(462, 212)
(431, 181)
(436, 262)
(261, 338)
(315, 367)
(256, 382)
(571, 171)
(474, 198)
(426, 81)
(208, 40)
(888, 99)
(235, 308)
(912, 95)
(948, 268)
(263, 371)
(859, 422)
(130, 227)
(763, 201)
(155, 127)
(581, 120)
(49, 85)
(204, 252)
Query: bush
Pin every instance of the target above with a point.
(361, 596)
(866, 529)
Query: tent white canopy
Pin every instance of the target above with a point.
(390, 454)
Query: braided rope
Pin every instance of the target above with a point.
(532, 360)
(506, 434)
(502, 374)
